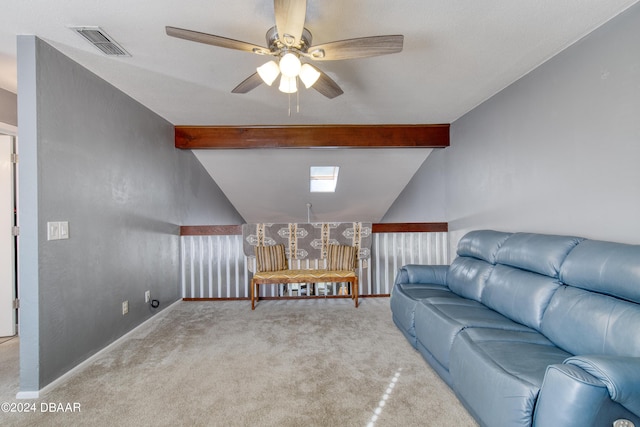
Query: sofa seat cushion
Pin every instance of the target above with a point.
(498, 373)
(415, 289)
(438, 322)
(403, 303)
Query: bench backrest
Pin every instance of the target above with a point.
(306, 243)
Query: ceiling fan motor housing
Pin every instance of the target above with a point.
(276, 46)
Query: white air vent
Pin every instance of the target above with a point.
(97, 37)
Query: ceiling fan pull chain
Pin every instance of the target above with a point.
(297, 98)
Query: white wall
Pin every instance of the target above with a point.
(556, 152)
(7, 260)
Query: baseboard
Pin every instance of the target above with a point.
(28, 395)
(287, 297)
(79, 367)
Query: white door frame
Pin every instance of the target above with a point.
(8, 312)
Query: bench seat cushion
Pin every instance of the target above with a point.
(291, 276)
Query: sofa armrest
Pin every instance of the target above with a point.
(569, 397)
(572, 397)
(431, 274)
(621, 376)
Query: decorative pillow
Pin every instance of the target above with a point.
(341, 257)
(270, 258)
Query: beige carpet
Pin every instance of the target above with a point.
(288, 363)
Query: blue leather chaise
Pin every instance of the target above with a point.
(530, 329)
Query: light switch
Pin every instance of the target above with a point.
(64, 229)
(57, 230)
(53, 230)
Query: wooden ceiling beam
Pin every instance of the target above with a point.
(312, 136)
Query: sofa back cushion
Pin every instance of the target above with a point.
(477, 251)
(482, 244)
(539, 253)
(583, 322)
(605, 267)
(520, 295)
(467, 277)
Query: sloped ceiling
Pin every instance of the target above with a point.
(456, 55)
(273, 185)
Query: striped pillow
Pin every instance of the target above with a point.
(270, 258)
(341, 257)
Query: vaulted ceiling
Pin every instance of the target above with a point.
(456, 55)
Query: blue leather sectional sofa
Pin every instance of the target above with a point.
(530, 329)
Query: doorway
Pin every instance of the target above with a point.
(8, 239)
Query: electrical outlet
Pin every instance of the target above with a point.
(147, 296)
(125, 307)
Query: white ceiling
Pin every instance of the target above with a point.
(277, 186)
(456, 55)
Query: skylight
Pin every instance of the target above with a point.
(323, 179)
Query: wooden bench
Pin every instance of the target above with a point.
(302, 276)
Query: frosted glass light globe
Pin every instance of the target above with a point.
(290, 65)
(309, 75)
(268, 72)
(288, 84)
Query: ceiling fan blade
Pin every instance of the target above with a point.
(326, 86)
(362, 47)
(290, 17)
(250, 83)
(219, 41)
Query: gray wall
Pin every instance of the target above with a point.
(412, 205)
(93, 156)
(556, 152)
(8, 107)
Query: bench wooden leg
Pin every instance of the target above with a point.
(255, 290)
(254, 298)
(354, 291)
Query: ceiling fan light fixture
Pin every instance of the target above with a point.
(309, 75)
(268, 72)
(288, 84)
(290, 65)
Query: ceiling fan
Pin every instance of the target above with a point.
(290, 42)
